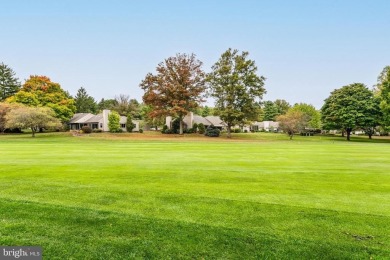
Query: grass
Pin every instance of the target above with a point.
(146, 196)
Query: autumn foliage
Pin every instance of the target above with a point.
(176, 89)
(40, 91)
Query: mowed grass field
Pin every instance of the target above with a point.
(258, 196)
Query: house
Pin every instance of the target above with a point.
(99, 121)
(191, 119)
(268, 126)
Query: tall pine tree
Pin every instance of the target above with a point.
(84, 102)
(9, 84)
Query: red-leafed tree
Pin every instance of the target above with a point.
(176, 89)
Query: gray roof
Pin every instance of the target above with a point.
(95, 119)
(80, 118)
(201, 119)
(216, 121)
(260, 124)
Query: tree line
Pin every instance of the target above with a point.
(180, 85)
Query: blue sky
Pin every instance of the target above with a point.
(304, 48)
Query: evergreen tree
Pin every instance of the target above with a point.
(9, 84)
(282, 105)
(270, 111)
(84, 102)
(206, 111)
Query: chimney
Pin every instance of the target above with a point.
(106, 112)
(168, 121)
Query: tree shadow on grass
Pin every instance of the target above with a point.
(362, 139)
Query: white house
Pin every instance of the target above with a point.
(190, 119)
(99, 121)
(268, 126)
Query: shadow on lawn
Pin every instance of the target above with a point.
(362, 139)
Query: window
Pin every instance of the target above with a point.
(123, 125)
(101, 125)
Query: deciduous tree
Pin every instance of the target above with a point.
(383, 87)
(352, 106)
(292, 122)
(5, 108)
(236, 88)
(176, 89)
(122, 104)
(9, 84)
(41, 91)
(125, 105)
(34, 118)
(153, 122)
(106, 104)
(312, 115)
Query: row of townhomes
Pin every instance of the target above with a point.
(99, 121)
(191, 119)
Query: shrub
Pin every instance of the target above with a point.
(188, 131)
(86, 129)
(113, 122)
(168, 131)
(245, 131)
(195, 128)
(176, 126)
(237, 130)
(212, 131)
(201, 128)
(164, 129)
(141, 130)
(65, 127)
(129, 124)
(13, 131)
(97, 130)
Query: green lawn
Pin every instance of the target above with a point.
(102, 197)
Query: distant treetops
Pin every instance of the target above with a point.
(180, 85)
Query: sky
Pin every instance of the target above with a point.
(304, 48)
